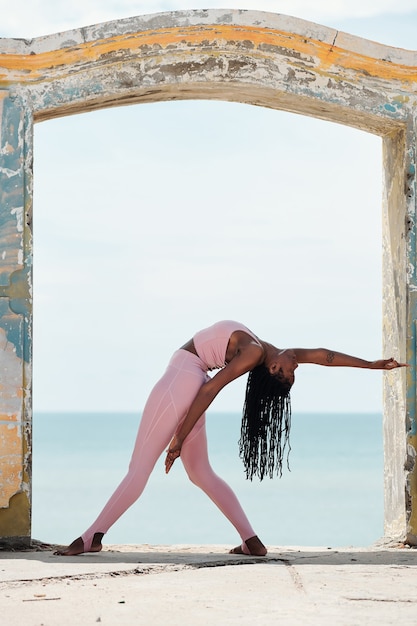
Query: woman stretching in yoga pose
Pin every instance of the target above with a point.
(174, 417)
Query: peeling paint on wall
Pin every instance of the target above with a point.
(14, 461)
(15, 322)
(253, 57)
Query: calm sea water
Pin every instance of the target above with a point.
(333, 495)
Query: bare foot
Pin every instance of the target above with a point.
(77, 546)
(254, 545)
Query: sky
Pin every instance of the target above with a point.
(155, 220)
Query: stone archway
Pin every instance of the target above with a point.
(244, 56)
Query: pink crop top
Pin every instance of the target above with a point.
(211, 343)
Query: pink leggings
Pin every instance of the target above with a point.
(164, 411)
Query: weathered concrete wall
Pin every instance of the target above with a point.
(245, 56)
(15, 316)
(394, 330)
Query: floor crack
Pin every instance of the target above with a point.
(394, 600)
(141, 570)
(297, 580)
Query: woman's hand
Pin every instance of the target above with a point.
(387, 364)
(173, 452)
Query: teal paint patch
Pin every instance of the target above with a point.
(11, 188)
(393, 107)
(61, 94)
(15, 259)
(12, 324)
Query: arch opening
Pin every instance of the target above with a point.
(246, 204)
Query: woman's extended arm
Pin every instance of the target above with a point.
(247, 358)
(330, 358)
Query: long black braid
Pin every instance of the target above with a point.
(266, 424)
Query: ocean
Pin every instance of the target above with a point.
(333, 495)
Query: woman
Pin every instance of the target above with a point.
(174, 416)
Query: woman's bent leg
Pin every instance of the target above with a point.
(194, 456)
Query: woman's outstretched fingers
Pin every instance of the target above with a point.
(391, 364)
(387, 364)
(173, 452)
(169, 461)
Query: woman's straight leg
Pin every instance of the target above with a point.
(165, 409)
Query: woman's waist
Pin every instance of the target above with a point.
(190, 347)
(184, 358)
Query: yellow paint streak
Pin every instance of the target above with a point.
(28, 68)
(11, 462)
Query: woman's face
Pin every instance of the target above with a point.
(287, 362)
